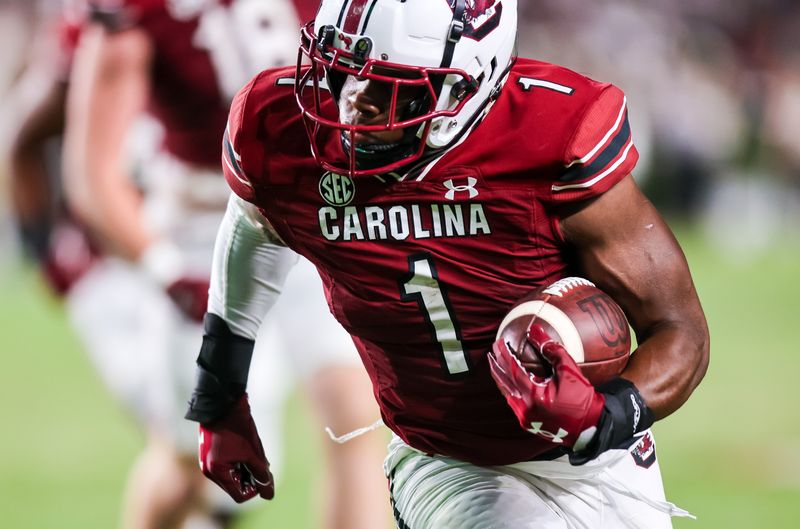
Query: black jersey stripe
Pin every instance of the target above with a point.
(231, 155)
(401, 524)
(583, 172)
(369, 14)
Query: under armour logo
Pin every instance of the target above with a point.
(536, 428)
(470, 188)
(637, 413)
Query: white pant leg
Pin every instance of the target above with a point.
(442, 493)
(145, 350)
(104, 308)
(141, 346)
(611, 492)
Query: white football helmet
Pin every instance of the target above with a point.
(457, 52)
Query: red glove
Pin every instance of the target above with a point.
(191, 296)
(231, 454)
(563, 408)
(68, 257)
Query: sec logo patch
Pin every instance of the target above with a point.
(336, 189)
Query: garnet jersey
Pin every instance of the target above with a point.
(203, 52)
(422, 270)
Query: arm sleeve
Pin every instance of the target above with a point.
(600, 152)
(249, 268)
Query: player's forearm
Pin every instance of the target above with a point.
(247, 275)
(625, 247)
(669, 364)
(111, 207)
(96, 185)
(248, 269)
(109, 87)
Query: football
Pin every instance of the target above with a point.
(584, 319)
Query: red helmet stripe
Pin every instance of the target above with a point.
(354, 14)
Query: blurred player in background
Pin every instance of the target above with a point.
(48, 233)
(138, 313)
(18, 28)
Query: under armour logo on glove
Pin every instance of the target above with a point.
(565, 403)
(558, 437)
(468, 188)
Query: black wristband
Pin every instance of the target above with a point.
(624, 415)
(222, 368)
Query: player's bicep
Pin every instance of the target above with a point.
(625, 247)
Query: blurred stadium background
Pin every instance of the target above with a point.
(714, 94)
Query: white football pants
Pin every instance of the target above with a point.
(620, 489)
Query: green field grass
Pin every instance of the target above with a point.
(731, 455)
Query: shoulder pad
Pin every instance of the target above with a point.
(601, 151)
(585, 122)
(256, 116)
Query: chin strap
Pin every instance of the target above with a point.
(370, 156)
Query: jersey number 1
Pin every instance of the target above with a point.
(422, 285)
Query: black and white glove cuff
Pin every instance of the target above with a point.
(624, 415)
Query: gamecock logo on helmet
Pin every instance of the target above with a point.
(480, 17)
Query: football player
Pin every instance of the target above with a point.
(433, 178)
(182, 61)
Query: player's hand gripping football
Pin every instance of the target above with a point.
(564, 408)
(231, 454)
